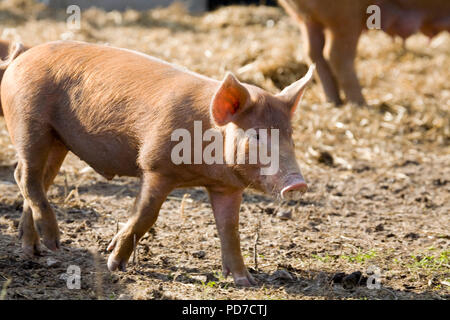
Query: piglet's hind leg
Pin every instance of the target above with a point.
(27, 231)
(39, 162)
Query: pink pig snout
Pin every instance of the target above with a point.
(294, 186)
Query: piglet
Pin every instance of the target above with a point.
(128, 114)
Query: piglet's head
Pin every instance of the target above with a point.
(258, 145)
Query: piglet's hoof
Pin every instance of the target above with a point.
(52, 244)
(50, 234)
(31, 250)
(115, 263)
(30, 241)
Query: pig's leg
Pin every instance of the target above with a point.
(27, 231)
(30, 172)
(342, 53)
(314, 42)
(154, 190)
(226, 213)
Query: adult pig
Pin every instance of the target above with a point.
(331, 30)
(117, 109)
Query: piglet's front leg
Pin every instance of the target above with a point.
(226, 213)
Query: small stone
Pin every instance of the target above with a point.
(31, 265)
(285, 215)
(390, 235)
(326, 158)
(201, 278)
(337, 277)
(199, 254)
(352, 280)
(281, 275)
(114, 278)
(412, 236)
(269, 210)
(124, 297)
(53, 263)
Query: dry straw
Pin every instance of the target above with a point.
(408, 91)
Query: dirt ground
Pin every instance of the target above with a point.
(379, 176)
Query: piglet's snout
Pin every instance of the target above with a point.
(293, 187)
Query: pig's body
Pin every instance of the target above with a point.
(116, 110)
(111, 106)
(334, 51)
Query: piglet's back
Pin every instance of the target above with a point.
(106, 87)
(102, 102)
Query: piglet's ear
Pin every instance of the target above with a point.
(293, 93)
(230, 99)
